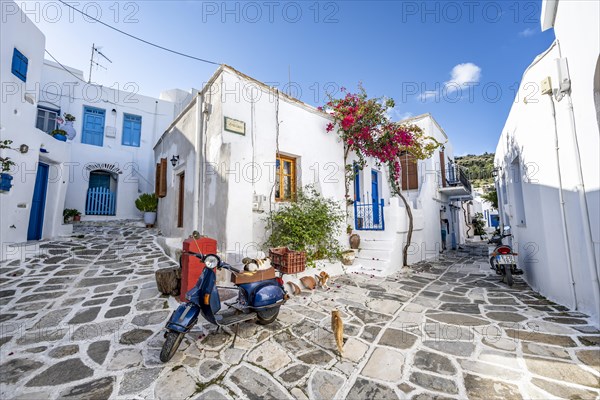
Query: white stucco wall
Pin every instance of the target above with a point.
(17, 123)
(528, 137)
(134, 165)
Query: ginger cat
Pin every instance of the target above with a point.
(322, 278)
(337, 326)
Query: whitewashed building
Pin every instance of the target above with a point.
(114, 132)
(107, 160)
(547, 164)
(33, 207)
(435, 188)
(241, 148)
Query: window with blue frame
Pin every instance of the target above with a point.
(132, 130)
(19, 65)
(93, 126)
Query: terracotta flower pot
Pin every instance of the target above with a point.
(354, 241)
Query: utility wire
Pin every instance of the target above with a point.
(65, 68)
(140, 39)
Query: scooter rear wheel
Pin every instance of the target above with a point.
(509, 277)
(172, 342)
(267, 316)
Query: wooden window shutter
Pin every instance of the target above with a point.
(410, 175)
(443, 167)
(162, 178)
(157, 179)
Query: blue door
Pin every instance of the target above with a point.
(375, 195)
(38, 203)
(100, 179)
(93, 126)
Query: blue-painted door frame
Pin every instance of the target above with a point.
(93, 126)
(38, 203)
(375, 195)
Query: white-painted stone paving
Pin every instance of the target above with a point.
(81, 318)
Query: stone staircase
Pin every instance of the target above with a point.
(374, 254)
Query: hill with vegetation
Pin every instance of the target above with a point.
(479, 168)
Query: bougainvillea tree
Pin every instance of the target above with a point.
(364, 127)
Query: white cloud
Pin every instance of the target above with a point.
(394, 114)
(527, 32)
(463, 74)
(461, 77)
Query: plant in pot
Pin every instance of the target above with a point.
(348, 257)
(5, 163)
(67, 126)
(59, 134)
(147, 203)
(70, 215)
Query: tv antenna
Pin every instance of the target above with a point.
(96, 50)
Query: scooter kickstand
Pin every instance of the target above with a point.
(237, 327)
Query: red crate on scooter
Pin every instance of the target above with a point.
(191, 266)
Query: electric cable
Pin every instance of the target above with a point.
(138, 38)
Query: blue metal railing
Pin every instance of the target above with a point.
(369, 217)
(456, 175)
(100, 201)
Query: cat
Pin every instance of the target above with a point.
(322, 278)
(256, 264)
(337, 326)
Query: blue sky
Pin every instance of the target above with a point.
(460, 61)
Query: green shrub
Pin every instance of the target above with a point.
(147, 202)
(479, 224)
(310, 224)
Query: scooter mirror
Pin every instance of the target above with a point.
(211, 261)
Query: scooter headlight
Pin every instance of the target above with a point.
(211, 261)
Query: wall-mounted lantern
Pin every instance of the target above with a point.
(174, 160)
(23, 148)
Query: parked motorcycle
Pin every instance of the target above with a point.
(502, 258)
(259, 300)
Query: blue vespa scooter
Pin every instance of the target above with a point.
(258, 299)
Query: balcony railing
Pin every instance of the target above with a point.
(455, 177)
(369, 217)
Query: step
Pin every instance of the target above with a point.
(361, 269)
(377, 254)
(372, 244)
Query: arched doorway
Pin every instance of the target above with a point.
(102, 193)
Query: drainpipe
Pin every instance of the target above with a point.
(562, 206)
(198, 175)
(585, 214)
(583, 205)
(565, 89)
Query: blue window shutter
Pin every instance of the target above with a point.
(356, 183)
(93, 126)
(19, 65)
(132, 130)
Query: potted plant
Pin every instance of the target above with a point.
(5, 163)
(68, 126)
(70, 215)
(147, 203)
(348, 257)
(59, 134)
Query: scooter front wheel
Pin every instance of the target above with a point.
(267, 316)
(172, 342)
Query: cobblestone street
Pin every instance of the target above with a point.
(83, 319)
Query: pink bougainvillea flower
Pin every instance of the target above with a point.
(329, 127)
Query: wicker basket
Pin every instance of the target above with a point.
(288, 261)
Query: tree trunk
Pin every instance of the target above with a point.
(168, 280)
(410, 230)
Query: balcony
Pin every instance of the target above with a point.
(454, 182)
(369, 217)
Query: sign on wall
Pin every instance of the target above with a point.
(235, 126)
